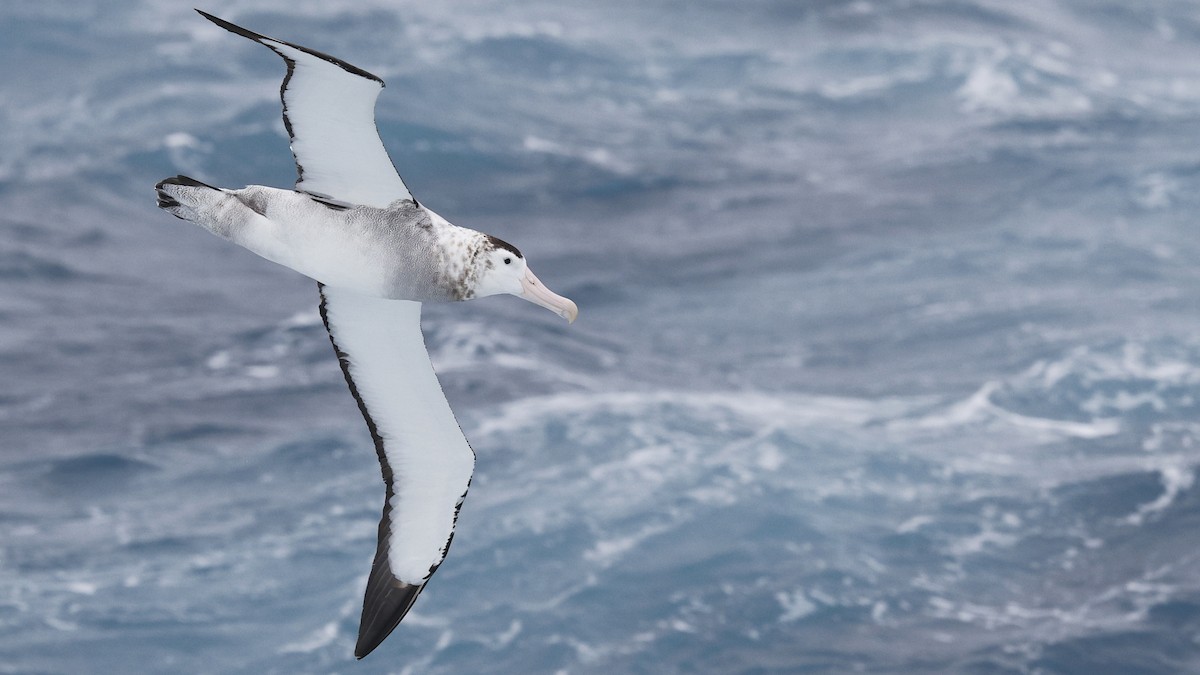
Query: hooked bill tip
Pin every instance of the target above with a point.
(533, 291)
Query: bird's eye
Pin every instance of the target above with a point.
(508, 261)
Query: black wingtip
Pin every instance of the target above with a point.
(264, 40)
(233, 27)
(387, 600)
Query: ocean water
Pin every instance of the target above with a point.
(888, 358)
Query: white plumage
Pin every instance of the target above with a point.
(352, 225)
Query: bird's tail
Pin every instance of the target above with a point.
(183, 197)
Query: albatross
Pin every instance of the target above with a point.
(351, 224)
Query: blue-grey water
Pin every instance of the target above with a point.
(888, 358)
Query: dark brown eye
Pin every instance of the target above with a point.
(508, 261)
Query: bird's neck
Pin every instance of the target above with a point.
(458, 249)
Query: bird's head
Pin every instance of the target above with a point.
(500, 268)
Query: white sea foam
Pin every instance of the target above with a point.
(607, 551)
(1020, 79)
(263, 372)
(796, 605)
(978, 409)
(1175, 480)
(321, 637)
(82, 587)
(913, 524)
(598, 156)
(769, 410)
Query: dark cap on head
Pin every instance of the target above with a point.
(500, 243)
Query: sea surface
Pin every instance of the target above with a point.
(888, 357)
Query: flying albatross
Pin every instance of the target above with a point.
(352, 225)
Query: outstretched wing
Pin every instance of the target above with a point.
(329, 114)
(426, 461)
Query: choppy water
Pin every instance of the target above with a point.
(888, 357)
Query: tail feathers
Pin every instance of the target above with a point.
(170, 195)
(183, 180)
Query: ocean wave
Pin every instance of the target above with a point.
(1136, 381)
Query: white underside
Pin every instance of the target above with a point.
(301, 234)
(429, 457)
